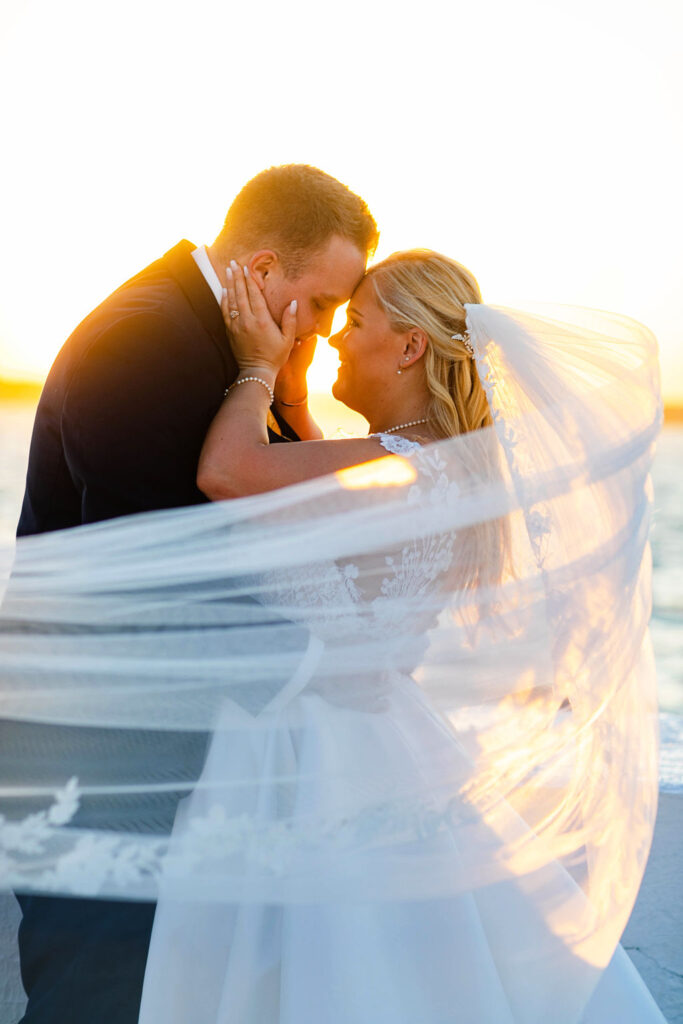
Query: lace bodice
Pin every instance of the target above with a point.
(398, 445)
(356, 597)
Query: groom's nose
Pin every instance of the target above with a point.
(323, 323)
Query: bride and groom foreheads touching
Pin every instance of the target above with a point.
(134, 402)
(189, 383)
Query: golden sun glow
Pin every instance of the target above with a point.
(133, 125)
(389, 471)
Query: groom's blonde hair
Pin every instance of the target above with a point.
(421, 288)
(295, 210)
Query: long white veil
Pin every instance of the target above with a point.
(423, 677)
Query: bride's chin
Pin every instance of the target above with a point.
(338, 390)
(341, 394)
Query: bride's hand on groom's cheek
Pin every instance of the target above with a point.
(256, 339)
(291, 386)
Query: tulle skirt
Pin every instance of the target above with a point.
(494, 954)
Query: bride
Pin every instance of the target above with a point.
(443, 814)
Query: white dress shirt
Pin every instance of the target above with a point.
(201, 258)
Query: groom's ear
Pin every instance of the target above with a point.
(262, 265)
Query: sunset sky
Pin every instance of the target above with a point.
(539, 143)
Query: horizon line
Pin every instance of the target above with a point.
(29, 389)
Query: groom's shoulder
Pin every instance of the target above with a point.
(159, 289)
(173, 267)
(162, 312)
(168, 296)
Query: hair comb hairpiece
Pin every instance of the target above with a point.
(465, 339)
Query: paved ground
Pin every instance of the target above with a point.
(654, 934)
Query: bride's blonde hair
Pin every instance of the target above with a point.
(421, 288)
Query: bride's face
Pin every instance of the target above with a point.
(370, 353)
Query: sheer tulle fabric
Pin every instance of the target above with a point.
(414, 699)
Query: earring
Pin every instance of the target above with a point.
(399, 371)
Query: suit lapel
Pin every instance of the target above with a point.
(180, 265)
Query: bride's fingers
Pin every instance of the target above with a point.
(288, 327)
(257, 300)
(230, 302)
(263, 315)
(242, 304)
(225, 306)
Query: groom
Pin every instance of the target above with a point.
(118, 430)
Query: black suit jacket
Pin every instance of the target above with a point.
(118, 430)
(128, 402)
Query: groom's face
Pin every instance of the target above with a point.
(328, 280)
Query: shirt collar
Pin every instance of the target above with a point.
(201, 258)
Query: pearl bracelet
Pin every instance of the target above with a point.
(245, 380)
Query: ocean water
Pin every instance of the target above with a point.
(667, 552)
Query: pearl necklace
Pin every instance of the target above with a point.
(402, 426)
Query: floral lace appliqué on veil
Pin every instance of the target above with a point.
(355, 598)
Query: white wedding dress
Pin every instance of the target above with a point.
(491, 955)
